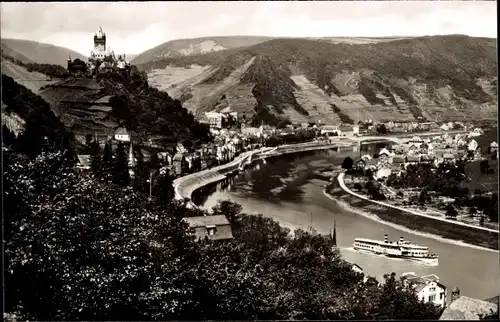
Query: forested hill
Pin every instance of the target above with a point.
(128, 101)
(30, 118)
(29, 51)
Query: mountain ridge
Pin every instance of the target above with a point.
(29, 51)
(418, 78)
(194, 46)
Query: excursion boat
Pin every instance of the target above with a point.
(396, 249)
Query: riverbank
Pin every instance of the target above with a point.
(186, 185)
(445, 228)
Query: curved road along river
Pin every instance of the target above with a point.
(285, 189)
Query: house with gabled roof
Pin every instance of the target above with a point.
(411, 159)
(493, 147)
(384, 153)
(449, 157)
(121, 134)
(413, 148)
(427, 288)
(84, 161)
(210, 227)
(427, 159)
(398, 165)
(398, 149)
(361, 164)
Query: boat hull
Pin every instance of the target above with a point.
(427, 260)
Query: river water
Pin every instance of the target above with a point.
(287, 190)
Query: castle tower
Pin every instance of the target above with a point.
(100, 44)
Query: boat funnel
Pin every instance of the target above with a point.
(401, 239)
(386, 238)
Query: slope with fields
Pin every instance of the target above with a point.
(445, 77)
(36, 52)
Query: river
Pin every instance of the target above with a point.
(287, 190)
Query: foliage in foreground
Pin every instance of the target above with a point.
(80, 249)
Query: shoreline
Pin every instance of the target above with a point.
(186, 185)
(414, 223)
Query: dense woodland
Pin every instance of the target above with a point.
(86, 246)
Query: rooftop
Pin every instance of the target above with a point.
(84, 160)
(204, 221)
(466, 308)
(121, 130)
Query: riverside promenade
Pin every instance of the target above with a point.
(184, 186)
(342, 184)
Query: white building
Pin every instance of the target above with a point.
(355, 130)
(121, 134)
(476, 132)
(427, 287)
(330, 130)
(214, 119)
(472, 146)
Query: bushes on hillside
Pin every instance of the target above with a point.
(43, 130)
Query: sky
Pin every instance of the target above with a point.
(133, 27)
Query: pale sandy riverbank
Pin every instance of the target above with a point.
(417, 221)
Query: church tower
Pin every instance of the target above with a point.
(100, 44)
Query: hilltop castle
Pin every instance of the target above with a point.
(100, 60)
(99, 51)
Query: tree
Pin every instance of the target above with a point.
(381, 129)
(451, 211)
(228, 209)
(8, 138)
(163, 189)
(484, 167)
(121, 174)
(154, 162)
(357, 186)
(424, 197)
(95, 158)
(347, 163)
(80, 249)
(107, 161)
(141, 172)
(99, 251)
